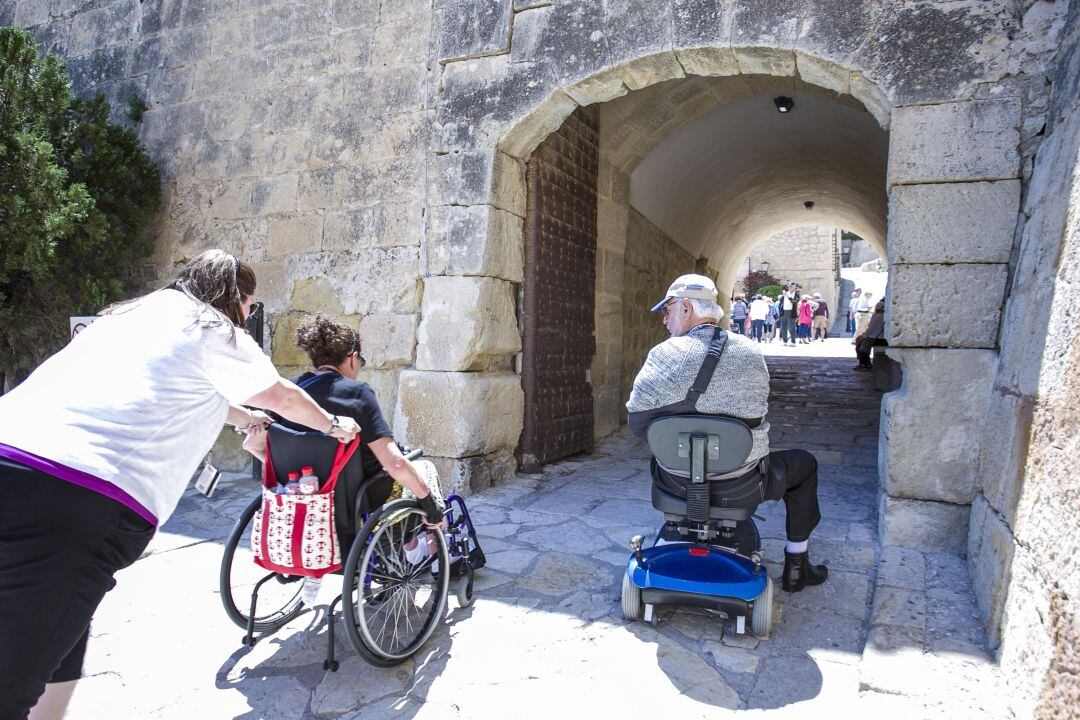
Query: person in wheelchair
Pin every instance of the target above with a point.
(334, 350)
(739, 388)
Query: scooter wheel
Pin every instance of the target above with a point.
(632, 607)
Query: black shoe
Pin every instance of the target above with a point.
(798, 572)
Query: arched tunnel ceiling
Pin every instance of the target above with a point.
(741, 172)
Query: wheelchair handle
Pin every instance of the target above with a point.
(413, 454)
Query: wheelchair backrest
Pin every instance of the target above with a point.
(727, 442)
(291, 450)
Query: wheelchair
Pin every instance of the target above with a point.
(391, 601)
(707, 553)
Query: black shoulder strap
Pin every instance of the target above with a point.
(708, 366)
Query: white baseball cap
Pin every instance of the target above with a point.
(697, 287)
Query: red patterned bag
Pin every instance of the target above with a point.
(296, 534)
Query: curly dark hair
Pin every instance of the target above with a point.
(327, 342)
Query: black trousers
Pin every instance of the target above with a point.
(60, 545)
(863, 348)
(792, 475)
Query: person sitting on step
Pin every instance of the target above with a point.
(873, 335)
(739, 388)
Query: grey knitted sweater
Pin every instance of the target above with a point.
(739, 387)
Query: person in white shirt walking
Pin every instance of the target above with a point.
(759, 311)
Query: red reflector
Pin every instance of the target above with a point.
(699, 551)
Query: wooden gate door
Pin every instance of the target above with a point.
(559, 293)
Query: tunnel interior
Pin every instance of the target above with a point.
(690, 175)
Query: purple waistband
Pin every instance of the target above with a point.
(77, 477)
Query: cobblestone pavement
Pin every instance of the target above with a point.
(893, 632)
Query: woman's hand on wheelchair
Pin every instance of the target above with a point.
(345, 430)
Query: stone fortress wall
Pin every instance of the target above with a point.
(368, 158)
(804, 255)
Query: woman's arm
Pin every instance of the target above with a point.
(398, 466)
(292, 403)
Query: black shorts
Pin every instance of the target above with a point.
(60, 545)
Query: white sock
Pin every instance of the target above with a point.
(797, 547)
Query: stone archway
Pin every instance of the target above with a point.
(952, 159)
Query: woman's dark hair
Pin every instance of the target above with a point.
(327, 342)
(217, 281)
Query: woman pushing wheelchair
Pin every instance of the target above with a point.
(97, 447)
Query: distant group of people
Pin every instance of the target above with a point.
(795, 317)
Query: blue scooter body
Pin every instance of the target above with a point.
(699, 569)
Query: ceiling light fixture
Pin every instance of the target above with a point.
(784, 104)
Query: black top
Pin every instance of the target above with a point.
(351, 398)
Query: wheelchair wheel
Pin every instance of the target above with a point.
(761, 616)
(465, 597)
(393, 600)
(632, 607)
(279, 599)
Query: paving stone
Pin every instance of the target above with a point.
(804, 627)
(901, 607)
(733, 659)
(784, 681)
(571, 537)
(902, 567)
(511, 561)
(558, 574)
(844, 593)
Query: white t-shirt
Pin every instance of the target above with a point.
(759, 310)
(137, 398)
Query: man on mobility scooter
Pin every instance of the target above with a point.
(703, 372)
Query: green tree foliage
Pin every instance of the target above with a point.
(757, 279)
(772, 291)
(76, 195)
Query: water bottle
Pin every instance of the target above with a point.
(293, 486)
(309, 484)
(309, 592)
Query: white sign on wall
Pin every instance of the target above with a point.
(78, 324)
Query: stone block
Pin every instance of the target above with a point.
(492, 95)
(570, 39)
(289, 236)
(953, 222)
(468, 475)
(388, 339)
(871, 96)
(945, 305)
(454, 414)
(935, 52)
(641, 72)
(708, 61)
(765, 61)
(316, 295)
(824, 49)
(478, 178)
(384, 382)
(991, 546)
(271, 287)
(467, 323)
(539, 121)
(1005, 438)
(954, 142)
(924, 525)
(227, 454)
(927, 450)
(402, 40)
(701, 24)
(472, 28)
(284, 351)
(275, 194)
(475, 240)
(599, 88)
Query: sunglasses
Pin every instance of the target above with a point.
(359, 357)
(667, 308)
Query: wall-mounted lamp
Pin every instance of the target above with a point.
(784, 104)
(809, 204)
(764, 266)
